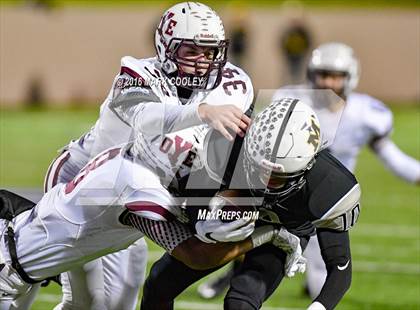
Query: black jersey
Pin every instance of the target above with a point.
(329, 199)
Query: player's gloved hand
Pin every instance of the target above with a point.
(316, 306)
(224, 117)
(212, 231)
(290, 244)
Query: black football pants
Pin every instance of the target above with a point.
(260, 274)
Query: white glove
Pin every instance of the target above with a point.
(290, 244)
(212, 231)
(262, 235)
(316, 306)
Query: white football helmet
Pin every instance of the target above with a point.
(192, 23)
(281, 145)
(335, 57)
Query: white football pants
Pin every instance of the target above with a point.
(111, 282)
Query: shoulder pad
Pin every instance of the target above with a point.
(138, 68)
(377, 116)
(344, 214)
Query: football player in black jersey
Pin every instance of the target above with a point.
(295, 185)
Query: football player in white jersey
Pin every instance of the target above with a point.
(114, 200)
(363, 120)
(189, 83)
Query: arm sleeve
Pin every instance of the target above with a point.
(140, 108)
(154, 119)
(397, 161)
(166, 234)
(335, 251)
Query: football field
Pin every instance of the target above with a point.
(385, 242)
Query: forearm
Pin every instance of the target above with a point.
(142, 109)
(335, 250)
(201, 256)
(397, 161)
(178, 240)
(159, 118)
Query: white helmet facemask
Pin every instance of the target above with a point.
(280, 147)
(196, 25)
(337, 58)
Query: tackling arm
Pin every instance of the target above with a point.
(141, 108)
(178, 240)
(397, 161)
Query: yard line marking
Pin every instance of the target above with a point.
(389, 267)
(212, 306)
(386, 230)
(56, 298)
(358, 265)
(396, 252)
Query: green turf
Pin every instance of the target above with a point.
(385, 242)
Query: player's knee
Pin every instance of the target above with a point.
(237, 304)
(153, 299)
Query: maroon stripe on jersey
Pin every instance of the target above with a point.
(48, 176)
(151, 207)
(56, 171)
(131, 73)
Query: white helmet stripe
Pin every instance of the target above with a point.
(283, 128)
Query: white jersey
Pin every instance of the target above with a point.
(173, 154)
(141, 85)
(364, 120)
(360, 121)
(79, 221)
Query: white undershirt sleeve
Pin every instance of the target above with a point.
(160, 118)
(397, 161)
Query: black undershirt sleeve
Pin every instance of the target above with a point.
(335, 250)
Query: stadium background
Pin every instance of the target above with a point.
(58, 58)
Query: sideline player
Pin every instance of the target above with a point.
(191, 68)
(365, 121)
